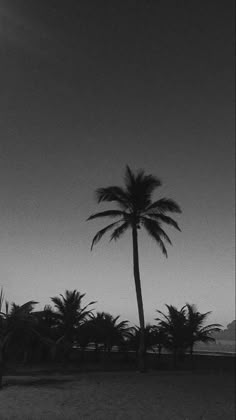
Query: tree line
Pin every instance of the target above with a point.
(50, 334)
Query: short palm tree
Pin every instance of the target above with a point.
(135, 210)
(47, 321)
(134, 338)
(159, 338)
(18, 329)
(70, 314)
(185, 327)
(195, 329)
(108, 331)
(173, 324)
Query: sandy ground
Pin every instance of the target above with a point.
(113, 396)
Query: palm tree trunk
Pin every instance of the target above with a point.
(175, 356)
(191, 356)
(96, 352)
(141, 350)
(1, 364)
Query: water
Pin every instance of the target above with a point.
(220, 346)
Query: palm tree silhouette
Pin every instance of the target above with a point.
(18, 329)
(174, 326)
(137, 210)
(150, 337)
(185, 327)
(70, 315)
(108, 331)
(195, 329)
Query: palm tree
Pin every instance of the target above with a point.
(135, 210)
(70, 315)
(134, 338)
(195, 329)
(47, 320)
(2, 331)
(159, 339)
(17, 329)
(185, 327)
(108, 331)
(85, 334)
(47, 326)
(174, 327)
(22, 330)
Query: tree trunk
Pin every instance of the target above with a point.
(191, 356)
(1, 364)
(141, 350)
(175, 356)
(96, 351)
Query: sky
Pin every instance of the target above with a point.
(88, 87)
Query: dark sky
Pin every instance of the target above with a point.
(86, 88)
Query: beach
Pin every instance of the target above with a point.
(175, 395)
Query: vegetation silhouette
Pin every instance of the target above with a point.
(135, 210)
(70, 315)
(184, 328)
(18, 330)
(195, 329)
(154, 338)
(104, 331)
(55, 334)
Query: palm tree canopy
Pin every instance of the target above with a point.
(136, 208)
(185, 327)
(174, 325)
(107, 329)
(150, 333)
(18, 326)
(69, 311)
(195, 329)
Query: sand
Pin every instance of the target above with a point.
(122, 395)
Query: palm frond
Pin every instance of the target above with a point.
(119, 231)
(6, 307)
(109, 213)
(162, 314)
(84, 312)
(155, 226)
(139, 188)
(26, 307)
(155, 232)
(163, 218)
(102, 232)
(211, 328)
(148, 182)
(129, 177)
(113, 193)
(165, 204)
(58, 303)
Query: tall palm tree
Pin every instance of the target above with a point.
(135, 210)
(3, 316)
